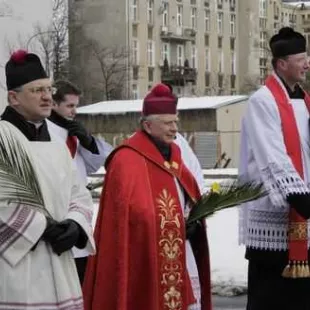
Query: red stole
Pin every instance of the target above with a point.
(297, 230)
(72, 145)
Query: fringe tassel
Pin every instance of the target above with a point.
(296, 269)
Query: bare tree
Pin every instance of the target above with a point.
(52, 41)
(111, 64)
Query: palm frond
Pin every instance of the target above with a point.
(226, 197)
(18, 180)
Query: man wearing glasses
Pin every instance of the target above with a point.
(36, 261)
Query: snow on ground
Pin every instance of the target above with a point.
(228, 266)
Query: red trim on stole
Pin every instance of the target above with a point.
(297, 246)
(72, 145)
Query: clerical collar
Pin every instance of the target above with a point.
(298, 93)
(164, 148)
(59, 120)
(37, 125)
(30, 130)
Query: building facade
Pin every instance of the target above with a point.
(200, 47)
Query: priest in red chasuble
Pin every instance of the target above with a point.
(144, 256)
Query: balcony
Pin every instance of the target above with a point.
(180, 34)
(178, 75)
(306, 22)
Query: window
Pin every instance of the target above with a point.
(151, 74)
(180, 16)
(262, 8)
(165, 52)
(263, 73)
(135, 73)
(207, 59)
(220, 61)
(135, 92)
(135, 52)
(207, 79)
(207, 20)
(150, 33)
(150, 4)
(150, 53)
(194, 57)
(193, 18)
(219, 42)
(262, 23)
(233, 63)
(134, 30)
(232, 4)
(232, 43)
(165, 14)
(220, 4)
(134, 10)
(263, 43)
(220, 80)
(206, 40)
(220, 23)
(232, 24)
(232, 81)
(180, 55)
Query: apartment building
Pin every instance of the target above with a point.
(274, 15)
(191, 44)
(200, 47)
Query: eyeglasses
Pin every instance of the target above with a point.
(43, 89)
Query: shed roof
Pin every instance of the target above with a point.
(127, 106)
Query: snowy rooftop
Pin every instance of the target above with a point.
(193, 103)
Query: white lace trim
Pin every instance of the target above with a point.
(196, 289)
(281, 180)
(262, 229)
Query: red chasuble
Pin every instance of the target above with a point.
(140, 234)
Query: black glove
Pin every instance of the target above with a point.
(192, 228)
(51, 232)
(86, 140)
(73, 235)
(301, 203)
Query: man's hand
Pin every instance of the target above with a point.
(301, 203)
(77, 129)
(68, 238)
(192, 228)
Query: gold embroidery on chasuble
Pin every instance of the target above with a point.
(171, 250)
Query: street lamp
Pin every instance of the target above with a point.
(302, 7)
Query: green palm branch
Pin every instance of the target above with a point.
(18, 179)
(227, 197)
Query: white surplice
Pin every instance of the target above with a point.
(85, 161)
(39, 279)
(191, 162)
(263, 158)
